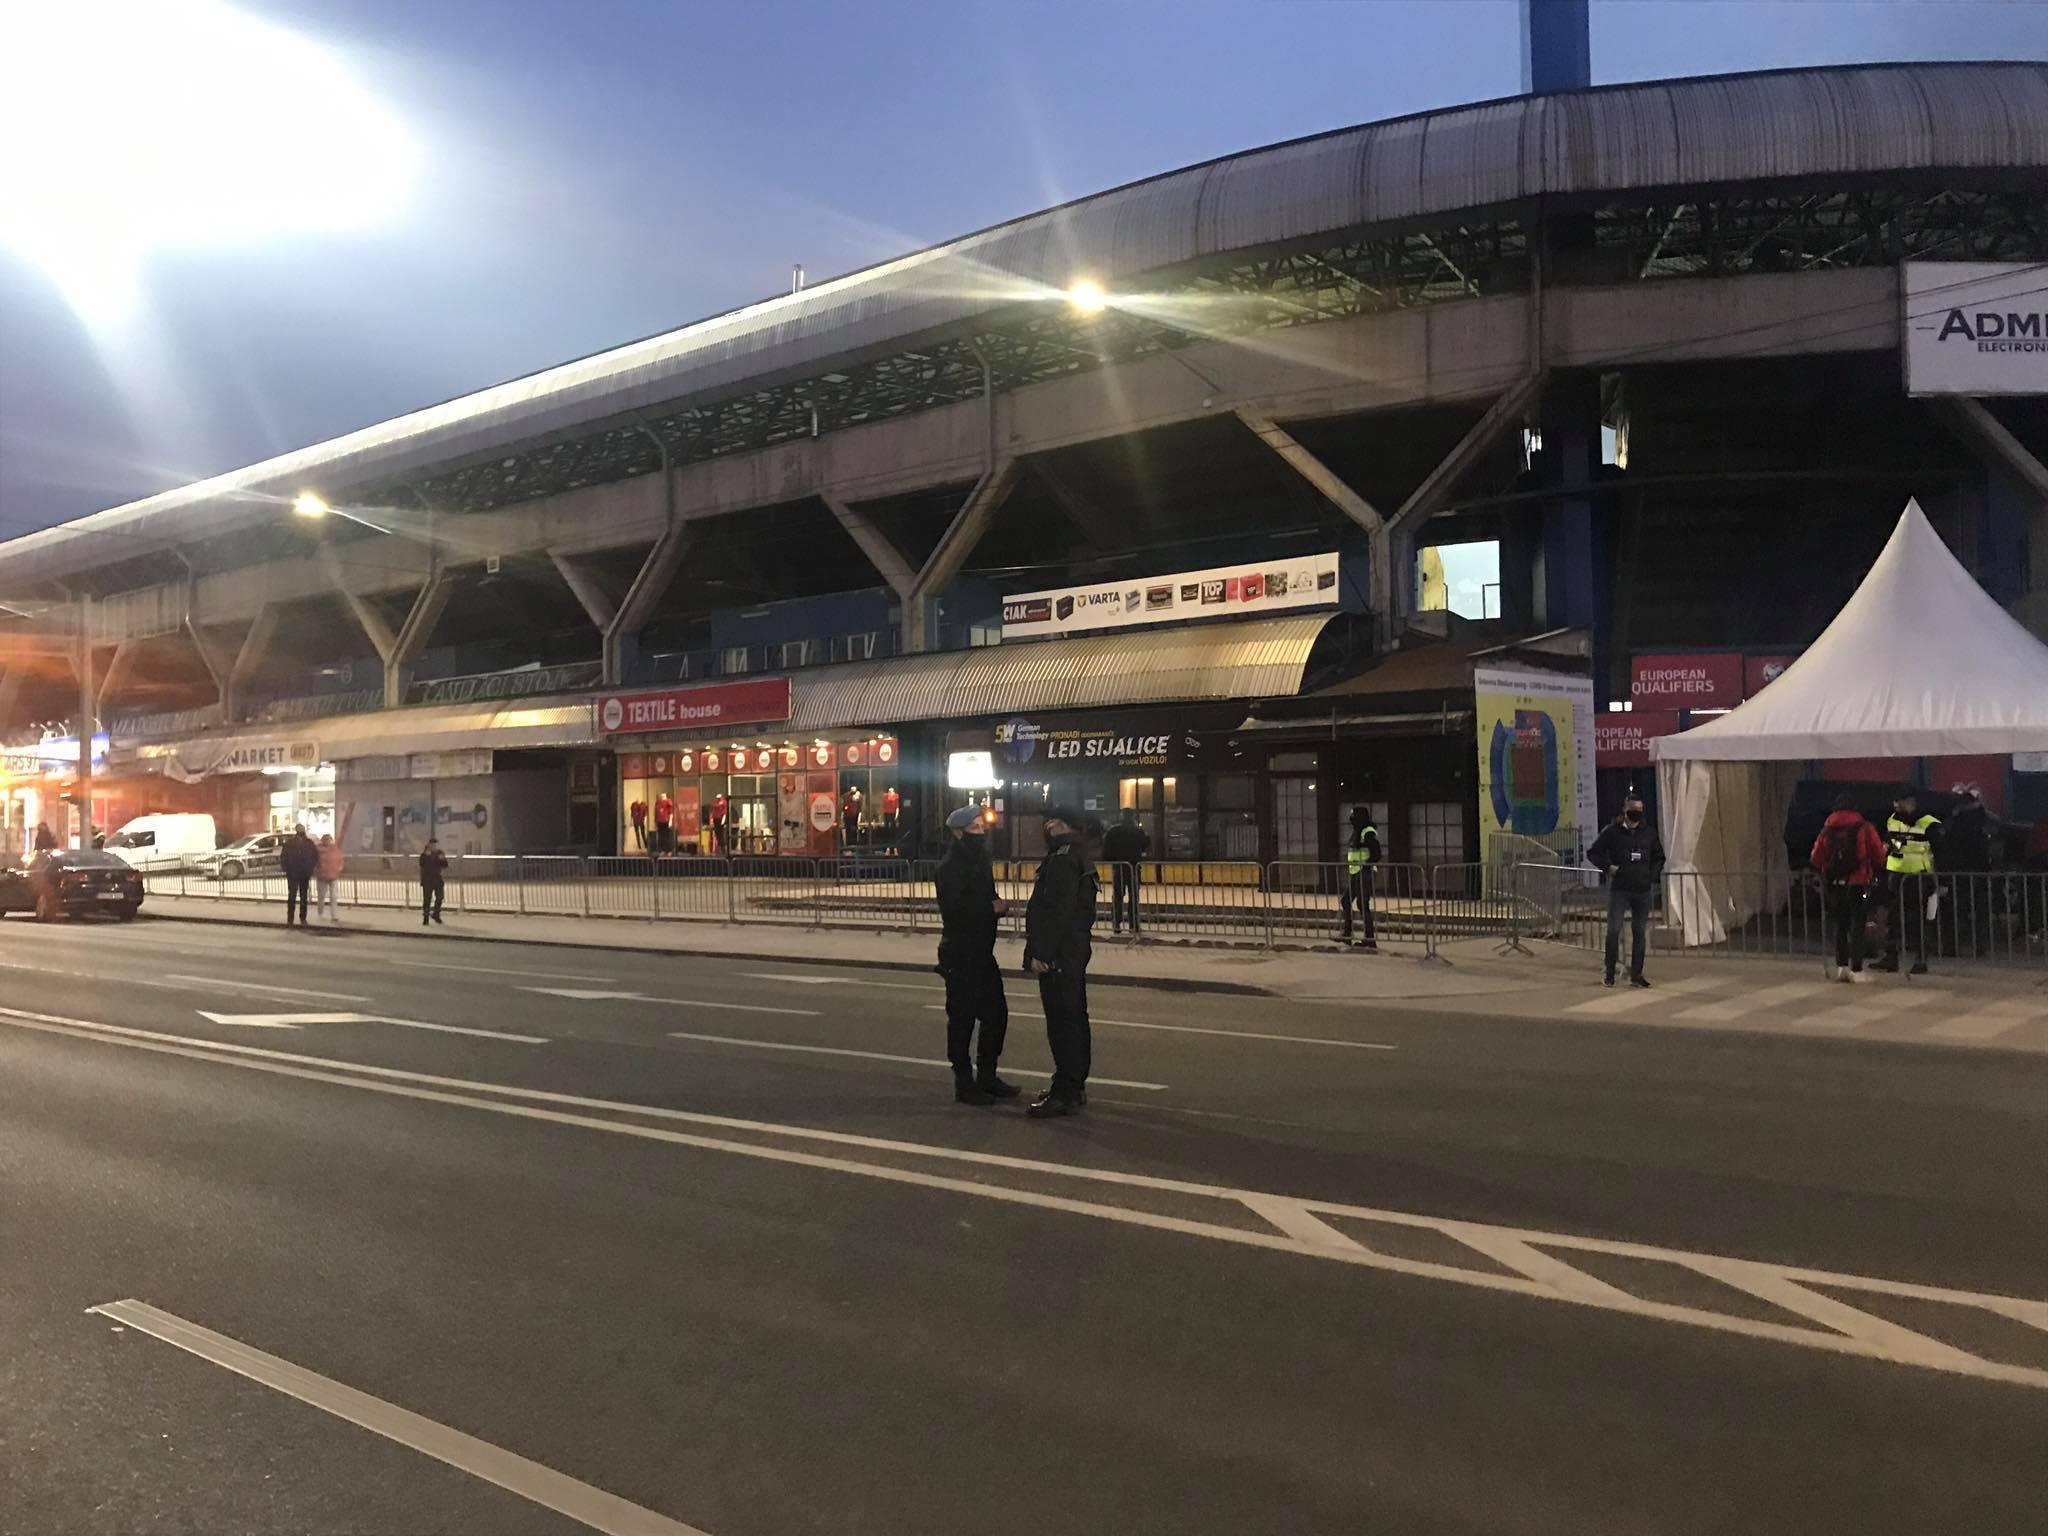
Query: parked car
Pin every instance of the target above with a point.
(256, 855)
(65, 882)
(163, 840)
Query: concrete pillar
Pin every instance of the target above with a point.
(1380, 574)
(650, 586)
(413, 636)
(583, 584)
(954, 546)
(115, 678)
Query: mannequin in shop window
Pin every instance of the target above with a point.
(892, 806)
(664, 824)
(640, 824)
(849, 815)
(719, 808)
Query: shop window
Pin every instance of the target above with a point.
(735, 661)
(1230, 822)
(1294, 821)
(799, 653)
(859, 647)
(1436, 832)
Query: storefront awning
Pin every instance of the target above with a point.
(1323, 727)
(390, 732)
(1264, 658)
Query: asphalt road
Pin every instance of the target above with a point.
(721, 1251)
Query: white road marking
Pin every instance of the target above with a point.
(530, 1480)
(668, 1002)
(1864, 1342)
(836, 981)
(492, 970)
(1196, 1029)
(239, 985)
(1747, 1003)
(1866, 1009)
(1637, 997)
(915, 1061)
(295, 1020)
(1991, 1020)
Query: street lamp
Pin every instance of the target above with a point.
(310, 504)
(313, 506)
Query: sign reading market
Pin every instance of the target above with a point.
(713, 706)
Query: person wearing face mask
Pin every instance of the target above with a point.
(971, 913)
(1057, 950)
(1631, 856)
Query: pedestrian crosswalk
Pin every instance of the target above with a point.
(1886, 1007)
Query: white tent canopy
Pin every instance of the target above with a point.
(1921, 662)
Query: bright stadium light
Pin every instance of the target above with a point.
(1087, 297)
(139, 126)
(310, 504)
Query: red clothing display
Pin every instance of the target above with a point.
(664, 811)
(639, 813)
(891, 803)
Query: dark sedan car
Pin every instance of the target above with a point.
(68, 881)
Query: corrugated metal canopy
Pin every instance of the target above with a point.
(1854, 120)
(396, 732)
(1256, 659)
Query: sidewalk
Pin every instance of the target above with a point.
(1985, 1007)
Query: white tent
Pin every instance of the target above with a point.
(1921, 662)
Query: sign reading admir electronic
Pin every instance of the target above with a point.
(1975, 328)
(1272, 586)
(714, 705)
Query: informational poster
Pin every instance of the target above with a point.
(794, 814)
(1276, 586)
(1536, 763)
(1975, 328)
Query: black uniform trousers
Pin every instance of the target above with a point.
(1063, 993)
(1846, 922)
(432, 894)
(1123, 890)
(1357, 892)
(295, 888)
(1909, 895)
(974, 994)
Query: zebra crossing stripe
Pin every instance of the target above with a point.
(1991, 1020)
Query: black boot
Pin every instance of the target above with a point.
(987, 1081)
(1052, 1103)
(965, 1091)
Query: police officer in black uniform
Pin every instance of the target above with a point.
(969, 913)
(1057, 950)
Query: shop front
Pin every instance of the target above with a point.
(835, 793)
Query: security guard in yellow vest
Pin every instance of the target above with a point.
(1361, 856)
(1909, 869)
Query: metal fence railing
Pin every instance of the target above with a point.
(1998, 917)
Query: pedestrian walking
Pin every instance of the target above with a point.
(1361, 873)
(46, 840)
(1057, 950)
(1847, 856)
(327, 874)
(1629, 853)
(433, 882)
(300, 859)
(1909, 871)
(970, 913)
(1124, 846)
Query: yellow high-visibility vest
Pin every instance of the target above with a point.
(1910, 845)
(1357, 856)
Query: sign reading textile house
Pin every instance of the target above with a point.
(1975, 328)
(1272, 586)
(713, 706)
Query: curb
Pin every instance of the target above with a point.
(1147, 983)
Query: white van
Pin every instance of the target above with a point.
(164, 840)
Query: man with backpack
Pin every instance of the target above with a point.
(1847, 856)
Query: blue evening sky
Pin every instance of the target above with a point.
(596, 170)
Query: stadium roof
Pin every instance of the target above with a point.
(1851, 121)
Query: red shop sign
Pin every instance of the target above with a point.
(855, 753)
(711, 760)
(659, 764)
(1622, 739)
(666, 709)
(822, 754)
(633, 766)
(686, 760)
(1708, 680)
(742, 759)
(787, 756)
(885, 751)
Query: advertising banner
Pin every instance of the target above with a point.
(1117, 741)
(1707, 681)
(1230, 591)
(1536, 761)
(1975, 328)
(1759, 672)
(712, 705)
(793, 823)
(1621, 739)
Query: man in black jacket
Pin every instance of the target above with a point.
(970, 913)
(300, 857)
(1057, 950)
(1124, 847)
(1632, 857)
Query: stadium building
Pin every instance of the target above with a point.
(1365, 468)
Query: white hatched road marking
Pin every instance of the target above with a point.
(295, 1020)
(1196, 1029)
(492, 970)
(1747, 1003)
(915, 1061)
(240, 985)
(1991, 1020)
(1636, 997)
(1848, 1331)
(530, 1480)
(837, 981)
(1867, 1007)
(585, 995)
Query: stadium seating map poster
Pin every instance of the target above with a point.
(1535, 762)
